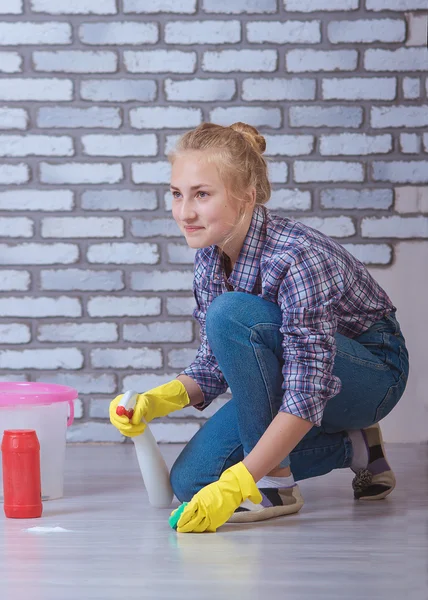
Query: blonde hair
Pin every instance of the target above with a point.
(237, 152)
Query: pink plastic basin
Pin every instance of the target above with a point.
(17, 393)
(48, 409)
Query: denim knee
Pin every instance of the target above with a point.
(182, 483)
(221, 312)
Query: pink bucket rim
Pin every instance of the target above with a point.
(19, 393)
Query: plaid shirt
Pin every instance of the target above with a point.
(320, 288)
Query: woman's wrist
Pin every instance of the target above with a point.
(279, 439)
(193, 390)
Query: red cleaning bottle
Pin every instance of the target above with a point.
(21, 474)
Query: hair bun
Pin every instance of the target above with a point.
(257, 141)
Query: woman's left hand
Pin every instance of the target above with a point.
(214, 504)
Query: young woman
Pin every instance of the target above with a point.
(298, 329)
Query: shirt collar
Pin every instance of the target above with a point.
(246, 268)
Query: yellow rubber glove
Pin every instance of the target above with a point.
(214, 504)
(158, 402)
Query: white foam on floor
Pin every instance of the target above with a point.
(47, 530)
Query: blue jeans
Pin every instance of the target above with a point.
(243, 331)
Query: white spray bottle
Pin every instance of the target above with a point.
(150, 460)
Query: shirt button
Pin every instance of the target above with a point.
(296, 321)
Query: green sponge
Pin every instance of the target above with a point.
(173, 519)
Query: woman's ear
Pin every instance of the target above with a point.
(252, 196)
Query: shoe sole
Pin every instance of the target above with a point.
(386, 492)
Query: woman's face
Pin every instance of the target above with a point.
(200, 204)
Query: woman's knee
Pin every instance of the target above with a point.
(238, 311)
(228, 310)
(182, 480)
(220, 309)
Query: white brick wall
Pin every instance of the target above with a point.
(46, 200)
(411, 88)
(355, 144)
(160, 61)
(200, 90)
(75, 61)
(10, 174)
(120, 145)
(13, 118)
(329, 116)
(85, 227)
(203, 32)
(76, 7)
(121, 306)
(134, 358)
(74, 332)
(36, 89)
(55, 358)
(155, 172)
(291, 200)
(168, 331)
(159, 118)
(399, 116)
(94, 93)
(256, 115)
(80, 173)
(123, 254)
(316, 5)
(36, 145)
(118, 90)
(50, 32)
(328, 170)
(359, 88)
(12, 7)
(81, 279)
(378, 5)
(39, 254)
(298, 61)
(288, 32)
(239, 6)
(26, 306)
(162, 281)
(367, 31)
(227, 61)
(403, 59)
(399, 227)
(278, 89)
(364, 198)
(11, 280)
(410, 143)
(412, 171)
(14, 333)
(10, 62)
(159, 6)
(117, 34)
(16, 227)
(123, 200)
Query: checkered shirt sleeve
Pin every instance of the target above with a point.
(204, 369)
(310, 288)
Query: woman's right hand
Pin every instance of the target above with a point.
(158, 402)
(123, 424)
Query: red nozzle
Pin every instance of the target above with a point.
(122, 412)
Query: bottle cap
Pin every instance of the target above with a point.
(22, 440)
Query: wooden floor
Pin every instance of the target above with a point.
(118, 547)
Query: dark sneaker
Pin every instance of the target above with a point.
(377, 480)
(275, 503)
